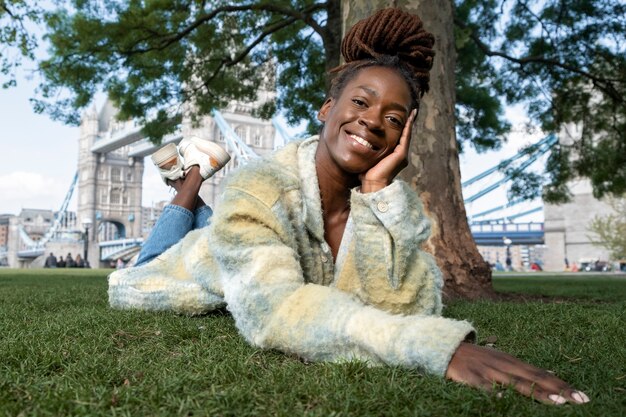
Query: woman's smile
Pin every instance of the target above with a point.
(362, 141)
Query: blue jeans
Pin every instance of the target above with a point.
(173, 224)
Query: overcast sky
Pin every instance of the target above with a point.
(40, 157)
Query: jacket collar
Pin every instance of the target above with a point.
(312, 203)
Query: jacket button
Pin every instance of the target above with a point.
(382, 206)
(324, 259)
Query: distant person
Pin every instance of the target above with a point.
(119, 264)
(79, 262)
(69, 261)
(567, 268)
(51, 261)
(61, 262)
(499, 266)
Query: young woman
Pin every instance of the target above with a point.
(315, 250)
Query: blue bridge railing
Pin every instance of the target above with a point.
(519, 233)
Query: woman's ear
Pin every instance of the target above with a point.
(328, 104)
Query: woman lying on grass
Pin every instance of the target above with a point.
(315, 250)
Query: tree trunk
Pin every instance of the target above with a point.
(434, 161)
(332, 36)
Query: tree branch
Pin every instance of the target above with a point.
(604, 84)
(537, 18)
(229, 62)
(305, 15)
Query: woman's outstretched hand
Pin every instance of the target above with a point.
(381, 175)
(487, 368)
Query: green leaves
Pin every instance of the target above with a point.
(16, 41)
(609, 231)
(161, 57)
(301, 67)
(479, 110)
(566, 61)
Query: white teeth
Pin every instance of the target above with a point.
(362, 141)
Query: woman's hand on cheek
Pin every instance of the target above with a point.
(381, 174)
(487, 368)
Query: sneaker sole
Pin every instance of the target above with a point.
(164, 154)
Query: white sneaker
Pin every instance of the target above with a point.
(169, 163)
(209, 156)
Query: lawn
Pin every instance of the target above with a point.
(64, 352)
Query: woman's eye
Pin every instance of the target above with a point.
(395, 120)
(358, 102)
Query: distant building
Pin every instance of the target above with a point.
(566, 226)
(36, 222)
(149, 216)
(5, 220)
(4, 230)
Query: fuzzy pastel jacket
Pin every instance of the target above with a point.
(264, 255)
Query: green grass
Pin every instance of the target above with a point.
(599, 287)
(64, 352)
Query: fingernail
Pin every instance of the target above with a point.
(580, 397)
(557, 399)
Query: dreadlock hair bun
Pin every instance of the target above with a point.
(389, 37)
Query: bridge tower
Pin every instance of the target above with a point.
(109, 183)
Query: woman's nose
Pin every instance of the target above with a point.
(371, 118)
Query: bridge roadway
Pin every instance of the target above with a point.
(486, 234)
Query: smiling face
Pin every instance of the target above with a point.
(364, 123)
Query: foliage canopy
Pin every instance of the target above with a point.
(565, 61)
(16, 41)
(155, 58)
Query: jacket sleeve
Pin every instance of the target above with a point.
(273, 307)
(393, 272)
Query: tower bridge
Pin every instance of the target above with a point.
(108, 182)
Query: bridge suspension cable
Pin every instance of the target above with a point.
(509, 217)
(58, 222)
(283, 137)
(542, 147)
(549, 140)
(235, 144)
(59, 218)
(510, 204)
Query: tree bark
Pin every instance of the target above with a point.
(434, 161)
(333, 35)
